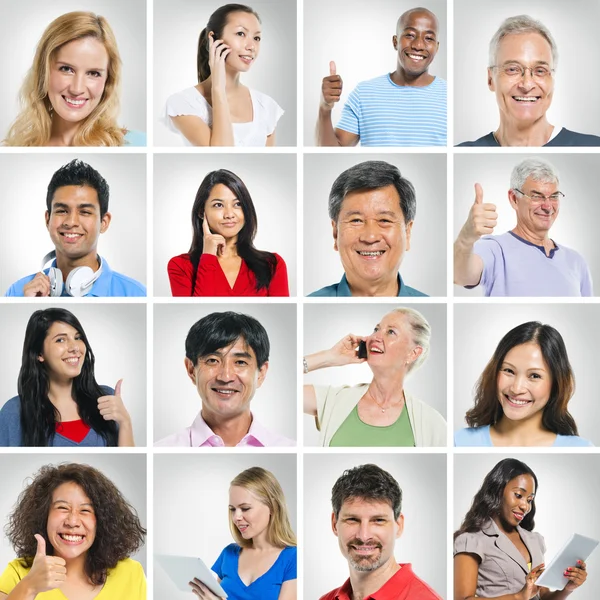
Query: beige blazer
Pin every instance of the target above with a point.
(502, 569)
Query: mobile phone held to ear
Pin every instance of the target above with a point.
(362, 349)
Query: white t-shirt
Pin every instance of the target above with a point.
(266, 113)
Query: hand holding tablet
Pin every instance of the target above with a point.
(190, 574)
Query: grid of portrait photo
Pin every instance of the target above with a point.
(301, 297)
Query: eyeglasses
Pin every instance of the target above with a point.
(517, 71)
(539, 198)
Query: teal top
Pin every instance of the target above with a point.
(354, 432)
(135, 138)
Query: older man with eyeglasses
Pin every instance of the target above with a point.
(524, 261)
(522, 64)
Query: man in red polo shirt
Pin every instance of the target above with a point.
(367, 520)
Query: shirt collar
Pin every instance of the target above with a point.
(343, 289)
(552, 250)
(390, 590)
(202, 435)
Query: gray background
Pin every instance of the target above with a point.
(479, 328)
(424, 265)
(567, 501)
(422, 479)
(177, 25)
(24, 239)
(357, 36)
(475, 22)
(126, 471)
(578, 210)
(117, 335)
(176, 401)
(325, 325)
(22, 24)
(271, 181)
(197, 486)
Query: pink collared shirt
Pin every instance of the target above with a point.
(200, 435)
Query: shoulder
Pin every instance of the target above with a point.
(263, 100)
(470, 543)
(368, 84)
(135, 138)
(290, 553)
(182, 260)
(180, 439)
(472, 436)
(406, 290)
(572, 441)
(122, 285)
(231, 550)
(571, 138)
(426, 410)
(14, 571)
(12, 408)
(16, 289)
(486, 140)
(127, 566)
(327, 291)
(332, 595)
(187, 102)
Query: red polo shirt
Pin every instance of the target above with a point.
(403, 585)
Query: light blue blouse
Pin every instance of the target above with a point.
(135, 138)
(480, 436)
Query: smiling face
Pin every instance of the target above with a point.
(248, 513)
(367, 533)
(416, 42)
(522, 100)
(535, 216)
(224, 212)
(371, 236)
(71, 521)
(517, 501)
(524, 382)
(63, 352)
(77, 78)
(227, 380)
(75, 223)
(242, 34)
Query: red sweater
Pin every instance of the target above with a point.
(211, 280)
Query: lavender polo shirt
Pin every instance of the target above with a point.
(201, 435)
(513, 266)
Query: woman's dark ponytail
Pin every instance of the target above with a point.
(202, 61)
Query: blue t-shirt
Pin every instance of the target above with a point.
(110, 283)
(480, 436)
(266, 587)
(385, 114)
(343, 289)
(135, 138)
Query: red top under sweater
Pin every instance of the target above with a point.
(211, 280)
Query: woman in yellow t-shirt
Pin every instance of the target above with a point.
(73, 533)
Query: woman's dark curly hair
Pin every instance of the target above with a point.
(119, 532)
(487, 502)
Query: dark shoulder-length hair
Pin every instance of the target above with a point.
(487, 502)
(262, 264)
(38, 415)
(119, 532)
(556, 417)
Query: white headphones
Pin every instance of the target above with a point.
(79, 281)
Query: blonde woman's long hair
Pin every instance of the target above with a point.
(33, 126)
(262, 484)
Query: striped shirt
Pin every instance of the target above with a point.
(385, 114)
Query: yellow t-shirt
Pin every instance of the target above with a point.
(125, 582)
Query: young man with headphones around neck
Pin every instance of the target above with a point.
(77, 213)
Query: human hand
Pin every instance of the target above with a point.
(202, 591)
(331, 88)
(481, 220)
(217, 53)
(112, 407)
(345, 352)
(213, 243)
(47, 572)
(38, 286)
(576, 576)
(530, 589)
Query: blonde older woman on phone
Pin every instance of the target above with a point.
(382, 412)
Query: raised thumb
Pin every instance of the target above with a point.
(41, 545)
(332, 68)
(478, 194)
(118, 387)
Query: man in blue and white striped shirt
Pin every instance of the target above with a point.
(403, 108)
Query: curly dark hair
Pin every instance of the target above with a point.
(119, 532)
(487, 502)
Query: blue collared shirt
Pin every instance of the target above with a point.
(343, 289)
(110, 283)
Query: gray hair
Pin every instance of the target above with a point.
(371, 175)
(536, 168)
(521, 24)
(421, 333)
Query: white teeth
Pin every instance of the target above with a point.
(72, 235)
(377, 350)
(365, 253)
(519, 402)
(525, 98)
(74, 102)
(225, 391)
(72, 538)
(416, 57)
(72, 360)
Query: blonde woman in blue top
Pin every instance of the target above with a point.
(261, 565)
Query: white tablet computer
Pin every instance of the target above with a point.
(182, 569)
(578, 547)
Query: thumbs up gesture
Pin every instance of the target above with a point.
(481, 220)
(112, 407)
(331, 88)
(47, 572)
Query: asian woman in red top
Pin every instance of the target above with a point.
(222, 260)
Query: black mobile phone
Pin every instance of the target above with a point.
(362, 349)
